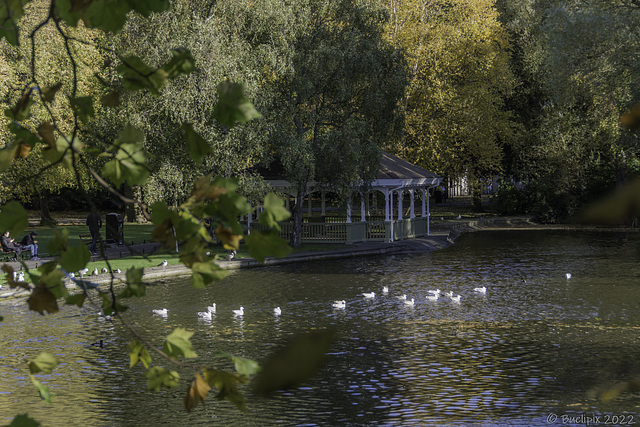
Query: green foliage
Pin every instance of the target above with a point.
(43, 363)
(232, 106)
(294, 363)
(23, 420)
(138, 353)
(13, 218)
(178, 344)
(159, 378)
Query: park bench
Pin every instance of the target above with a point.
(9, 255)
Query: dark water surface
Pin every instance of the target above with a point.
(535, 345)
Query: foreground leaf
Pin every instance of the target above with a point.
(23, 420)
(75, 257)
(266, 243)
(197, 392)
(45, 394)
(41, 300)
(158, 378)
(44, 362)
(178, 344)
(14, 218)
(196, 145)
(295, 363)
(232, 106)
(10, 14)
(226, 383)
(138, 353)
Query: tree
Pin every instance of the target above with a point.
(574, 62)
(330, 93)
(458, 53)
(18, 62)
(70, 115)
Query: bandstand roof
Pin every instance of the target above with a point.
(393, 173)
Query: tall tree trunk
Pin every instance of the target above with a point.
(296, 232)
(476, 193)
(45, 215)
(133, 212)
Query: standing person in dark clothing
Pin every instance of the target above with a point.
(30, 243)
(9, 245)
(94, 222)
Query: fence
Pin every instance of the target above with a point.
(368, 231)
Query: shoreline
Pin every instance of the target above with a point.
(442, 235)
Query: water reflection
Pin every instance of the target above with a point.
(536, 343)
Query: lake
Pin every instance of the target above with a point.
(535, 347)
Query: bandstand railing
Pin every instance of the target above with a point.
(353, 232)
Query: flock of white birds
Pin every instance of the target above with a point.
(433, 295)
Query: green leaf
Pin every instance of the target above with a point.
(196, 145)
(59, 242)
(129, 161)
(246, 367)
(62, 152)
(77, 299)
(53, 281)
(206, 272)
(137, 75)
(111, 99)
(10, 14)
(42, 300)
(83, 107)
(45, 394)
(178, 344)
(226, 383)
(232, 106)
(266, 243)
(135, 286)
(75, 257)
(49, 93)
(182, 62)
(273, 211)
(138, 353)
(44, 362)
(23, 420)
(22, 110)
(13, 218)
(158, 377)
(295, 363)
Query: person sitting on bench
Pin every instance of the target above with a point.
(10, 246)
(29, 243)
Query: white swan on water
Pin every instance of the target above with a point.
(410, 302)
(239, 312)
(402, 297)
(568, 276)
(456, 298)
(339, 304)
(212, 308)
(385, 290)
(160, 312)
(277, 311)
(205, 315)
(369, 294)
(436, 292)
(433, 297)
(482, 290)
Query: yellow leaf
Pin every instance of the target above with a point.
(46, 132)
(228, 238)
(203, 190)
(197, 391)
